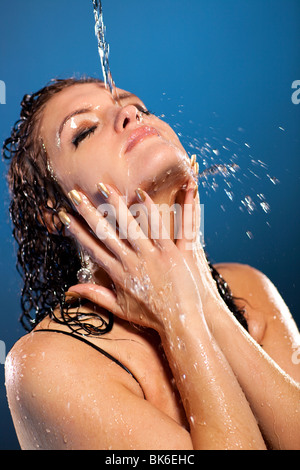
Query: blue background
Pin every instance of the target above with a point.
(218, 70)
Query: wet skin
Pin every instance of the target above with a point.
(94, 145)
(220, 390)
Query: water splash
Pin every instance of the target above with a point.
(103, 49)
(228, 165)
(250, 174)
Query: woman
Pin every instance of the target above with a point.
(154, 351)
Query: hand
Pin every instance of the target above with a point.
(152, 281)
(189, 244)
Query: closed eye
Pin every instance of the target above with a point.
(87, 131)
(143, 110)
(82, 134)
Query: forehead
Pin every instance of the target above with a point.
(78, 95)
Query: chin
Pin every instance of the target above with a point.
(160, 164)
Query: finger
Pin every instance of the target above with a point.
(159, 229)
(187, 233)
(98, 295)
(131, 221)
(102, 222)
(98, 252)
(197, 216)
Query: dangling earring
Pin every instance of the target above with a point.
(85, 273)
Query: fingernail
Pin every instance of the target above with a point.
(196, 168)
(75, 197)
(140, 194)
(64, 218)
(103, 190)
(71, 294)
(193, 160)
(195, 191)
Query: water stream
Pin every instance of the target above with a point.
(103, 48)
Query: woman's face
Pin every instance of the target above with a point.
(89, 138)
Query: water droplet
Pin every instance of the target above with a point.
(273, 179)
(229, 194)
(265, 207)
(248, 204)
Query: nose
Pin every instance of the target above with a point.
(126, 116)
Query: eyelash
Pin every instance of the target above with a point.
(143, 110)
(82, 134)
(87, 132)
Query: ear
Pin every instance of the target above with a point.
(48, 219)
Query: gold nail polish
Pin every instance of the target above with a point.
(195, 191)
(196, 168)
(64, 218)
(75, 197)
(103, 190)
(140, 194)
(69, 295)
(193, 160)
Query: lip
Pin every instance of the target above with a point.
(139, 135)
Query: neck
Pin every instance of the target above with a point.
(168, 192)
(165, 202)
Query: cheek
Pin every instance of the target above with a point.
(86, 172)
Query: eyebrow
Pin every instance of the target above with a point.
(122, 96)
(73, 113)
(125, 95)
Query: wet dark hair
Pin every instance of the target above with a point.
(47, 260)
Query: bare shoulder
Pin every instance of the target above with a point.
(250, 284)
(65, 395)
(270, 320)
(255, 288)
(50, 376)
(241, 273)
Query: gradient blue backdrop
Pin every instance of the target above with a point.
(218, 70)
